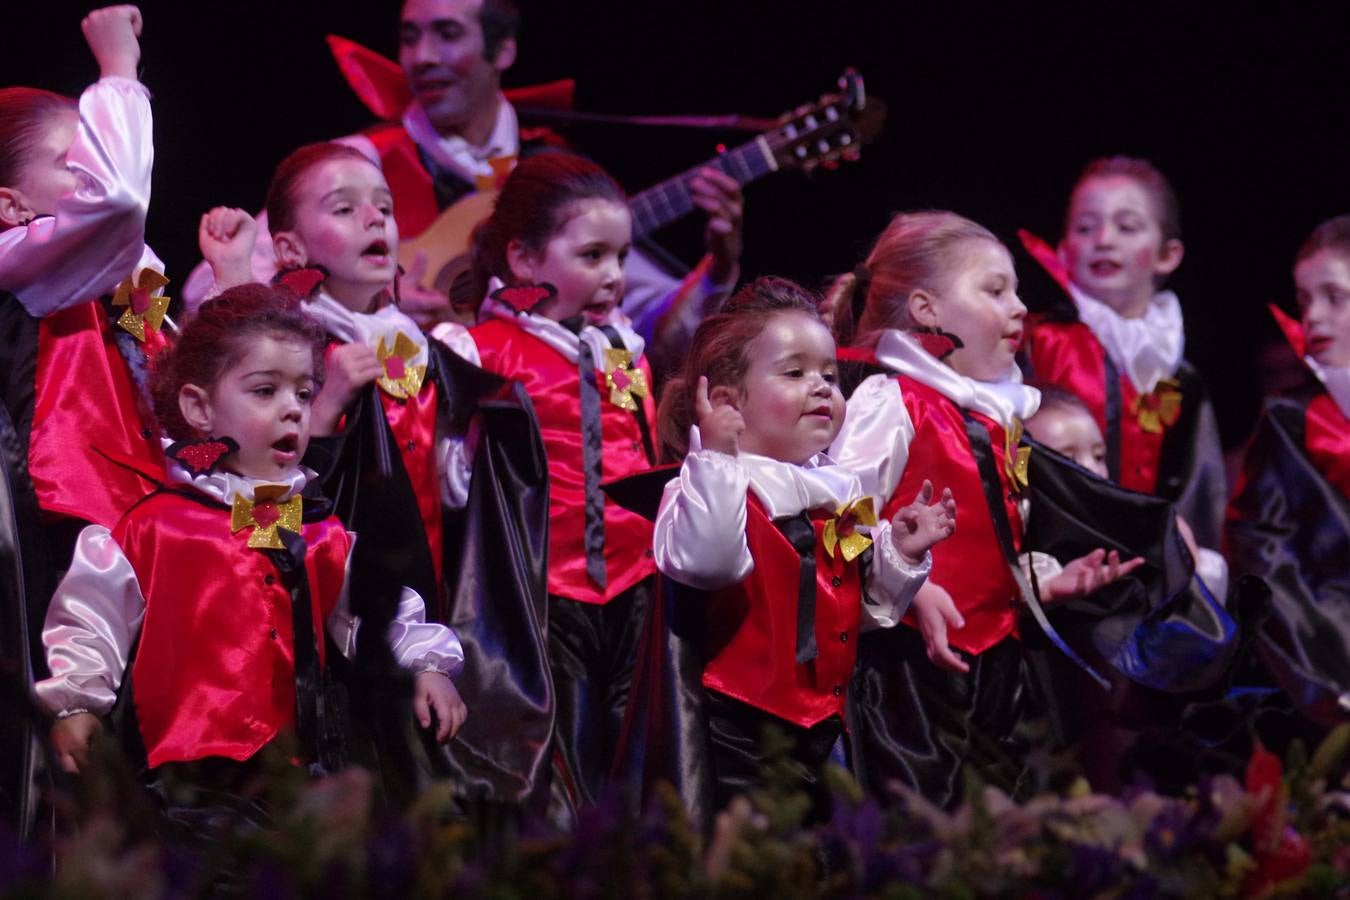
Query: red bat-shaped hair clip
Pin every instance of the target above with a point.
(302, 282)
(936, 341)
(525, 298)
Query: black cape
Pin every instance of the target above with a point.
(494, 595)
(1291, 527)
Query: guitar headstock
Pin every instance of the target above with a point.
(831, 129)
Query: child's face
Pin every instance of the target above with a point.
(44, 177)
(263, 402)
(344, 221)
(790, 398)
(981, 307)
(1073, 433)
(1114, 246)
(1323, 289)
(584, 261)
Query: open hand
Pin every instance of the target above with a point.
(919, 526)
(936, 612)
(1086, 574)
(721, 425)
(435, 691)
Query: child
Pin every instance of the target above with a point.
(1119, 344)
(558, 239)
(78, 286)
(1289, 520)
(943, 319)
(394, 422)
(756, 505)
(210, 596)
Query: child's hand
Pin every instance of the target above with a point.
(434, 691)
(111, 33)
(350, 368)
(721, 425)
(1086, 574)
(919, 526)
(71, 737)
(719, 195)
(226, 237)
(936, 612)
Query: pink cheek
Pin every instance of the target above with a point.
(1145, 259)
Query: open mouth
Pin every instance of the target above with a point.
(287, 445)
(1318, 344)
(377, 252)
(1104, 268)
(597, 310)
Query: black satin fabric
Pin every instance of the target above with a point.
(24, 587)
(1291, 527)
(593, 649)
(494, 595)
(913, 723)
(736, 741)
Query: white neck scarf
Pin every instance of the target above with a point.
(367, 328)
(786, 489)
(225, 486)
(1146, 349)
(1002, 400)
(560, 338)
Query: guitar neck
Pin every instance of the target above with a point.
(664, 203)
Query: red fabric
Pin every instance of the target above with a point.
(413, 422)
(552, 381)
(1068, 355)
(84, 398)
(215, 668)
(970, 565)
(751, 628)
(414, 192)
(1327, 441)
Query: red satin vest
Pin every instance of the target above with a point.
(553, 383)
(1068, 354)
(215, 669)
(1327, 441)
(969, 564)
(84, 398)
(751, 628)
(414, 192)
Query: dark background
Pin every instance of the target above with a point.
(993, 110)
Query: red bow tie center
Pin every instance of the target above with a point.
(266, 514)
(140, 301)
(394, 367)
(621, 379)
(845, 524)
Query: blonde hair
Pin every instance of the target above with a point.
(917, 251)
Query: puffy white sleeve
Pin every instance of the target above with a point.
(874, 441)
(699, 538)
(96, 234)
(91, 624)
(891, 582)
(418, 645)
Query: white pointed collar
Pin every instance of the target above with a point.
(1003, 400)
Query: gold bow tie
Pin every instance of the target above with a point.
(266, 515)
(1016, 457)
(401, 378)
(841, 531)
(1160, 408)
(143, 305)
(624, 379)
